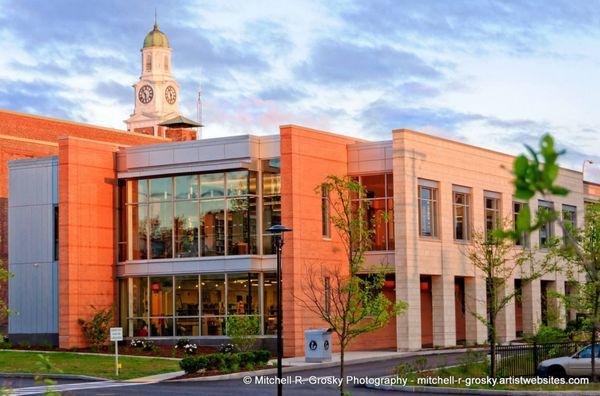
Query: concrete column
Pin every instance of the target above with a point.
(444, 321)
(532, 306)
(505, 325)
(557, 304)
(408, 324)
(475, 302)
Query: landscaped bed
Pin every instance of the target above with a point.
(82, 364)
(125, 348)
(224, 363)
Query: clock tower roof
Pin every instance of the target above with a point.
(156, 38)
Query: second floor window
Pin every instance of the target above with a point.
(547, 229)
(378, 195)
(326, 224)
(462, 221)
(517, 207)
(492, 211)
(428, 196)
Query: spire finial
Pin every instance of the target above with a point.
(155, 19)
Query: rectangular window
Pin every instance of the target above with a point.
(186, 187)
(428, 208)
(517, 207)
(462, 211)
(55, 224)
(378, 206)
(270, 302)
(327, 287)
(492, 205)
(161, 230)
(325, 221)
(138, 232)
(241, 226)
(570, 215)
(547, 229)
(271, 210)
(242, 294)
(212, 227)
(213, 304)
(186, 228)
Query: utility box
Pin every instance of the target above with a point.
(317, 347)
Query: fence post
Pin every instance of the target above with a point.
(535, 356)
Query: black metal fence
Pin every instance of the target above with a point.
(521, 360)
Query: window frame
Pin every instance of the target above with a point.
(466, 206)
(433, 205)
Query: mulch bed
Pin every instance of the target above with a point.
(210, 373)
(159, 351)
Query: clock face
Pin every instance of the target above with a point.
(170, 94)
(145, 94)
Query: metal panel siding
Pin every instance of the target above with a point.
(33, 290)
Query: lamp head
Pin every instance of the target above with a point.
(278, 229)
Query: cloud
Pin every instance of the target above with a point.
(281, 94)
(122, 94)
(37, 97)
(333, 62)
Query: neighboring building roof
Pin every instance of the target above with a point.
(156, 38)
(180, 122)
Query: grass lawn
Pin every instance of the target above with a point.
(93, 365)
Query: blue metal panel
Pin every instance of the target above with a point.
(33, 290)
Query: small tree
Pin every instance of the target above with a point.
(4, 276)
(494, 256)
(536, 173)
(350, 304)
(243, 331)
(96, 330)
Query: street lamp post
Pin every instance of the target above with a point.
(277, 231)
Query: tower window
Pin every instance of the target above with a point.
(149, 63)
(166, 62)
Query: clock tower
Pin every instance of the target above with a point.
(157, 92)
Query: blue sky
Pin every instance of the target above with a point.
(489, 73)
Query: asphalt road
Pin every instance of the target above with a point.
(237, 387)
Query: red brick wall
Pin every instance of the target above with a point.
(87, 244)
(180, 134)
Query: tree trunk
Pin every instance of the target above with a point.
(342, 383)
(594, 328)
(492, 346)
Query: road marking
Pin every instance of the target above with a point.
(34, 390)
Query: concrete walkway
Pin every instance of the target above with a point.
(355, 357)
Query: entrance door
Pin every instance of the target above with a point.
(426, 313)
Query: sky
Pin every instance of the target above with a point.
(496, 74)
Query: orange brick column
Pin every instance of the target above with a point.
(86, 195)
(307, 157)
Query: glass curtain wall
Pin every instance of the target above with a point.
(195, 305)
(185, 216)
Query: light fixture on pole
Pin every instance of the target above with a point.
(277, 231)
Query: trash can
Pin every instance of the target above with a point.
(317, 347)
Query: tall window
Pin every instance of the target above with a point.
(271, 191)
(428, 196)
(570, 215)
(492, 205)
(55, 224)
(325, 223)
(149, 63)
(547, 229)
(192, 215)
(462, 212)
(517, 207)
(379, 193)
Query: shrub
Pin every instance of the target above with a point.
(261, 357)
(546, 334)
(187, 346)
(243, 331)
(231, 362)
(227, 348)
(247, 360)
(189, 365)
(96, 330)
(149, 345)
(215, 361)
(137, 343)
(203, 362)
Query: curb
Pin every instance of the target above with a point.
(54, 376)
(292, 369)
(466, 391)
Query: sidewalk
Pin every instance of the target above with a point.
(355, 357)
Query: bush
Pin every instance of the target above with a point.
(247, 360)
(97, 329)
(261, 357)
(243, 331)
(231, 362)
(227, 348)
(546, 334)
(137, 343)
(202, 362)
(149, 345)
(190, 365)
(187, 346)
